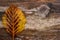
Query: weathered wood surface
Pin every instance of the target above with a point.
(32, 35)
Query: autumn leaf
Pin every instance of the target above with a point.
(14, 20)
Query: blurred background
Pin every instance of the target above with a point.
(43, 19)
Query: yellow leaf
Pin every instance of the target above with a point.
(14, 20)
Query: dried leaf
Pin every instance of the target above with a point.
(14, 20)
